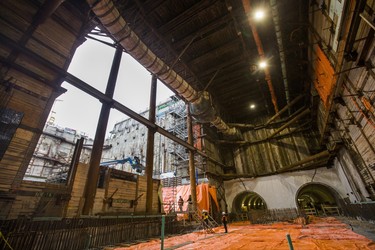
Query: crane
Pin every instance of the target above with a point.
(135, 162)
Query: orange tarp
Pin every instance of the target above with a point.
(322, 233)
(324, 76)
(171, 196)
(197, 134)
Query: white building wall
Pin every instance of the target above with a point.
(279, 191)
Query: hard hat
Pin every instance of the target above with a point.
(223, 213)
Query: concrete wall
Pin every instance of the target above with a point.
(279, 191)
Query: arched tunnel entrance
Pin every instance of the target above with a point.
(247, 201)
(317, 198)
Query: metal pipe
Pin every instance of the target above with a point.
(284, 109)
(162, 232)
(183, 51)
(258, 42)
(246, 143)
(303, 113)
(305, 160)
(279, 39)
(211, 80)
(289, 168)
(289, 242)
(112, 20)
(96, 153)
(191, 159)
(115, 24)
(150, 145)
(204, 111)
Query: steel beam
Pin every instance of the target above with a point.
(150, 145)
(78, 83)
(303, 113)
(191, 159)
(290, 104)
(96, 153)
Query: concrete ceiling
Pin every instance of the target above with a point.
(211, 45)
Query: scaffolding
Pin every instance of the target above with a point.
(178, 128)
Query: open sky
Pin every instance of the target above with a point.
(92, 63)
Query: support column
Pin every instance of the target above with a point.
(74, 164)
(150, 145)
(191, 159)
(96, 153)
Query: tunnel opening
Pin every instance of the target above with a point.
(247, 201)
(318, 199)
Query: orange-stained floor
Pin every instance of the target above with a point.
(321, 233)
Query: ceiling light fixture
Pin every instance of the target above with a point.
(262, 64)
(259, 15)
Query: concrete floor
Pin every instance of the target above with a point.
(321, 233)
(364, 228)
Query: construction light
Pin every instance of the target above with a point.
(252, 106)
(262, 64)
(259, 15)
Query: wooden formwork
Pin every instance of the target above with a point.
(120, 193)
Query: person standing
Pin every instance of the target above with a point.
(224, 220)
(190, 208)
(205, 219)
(180, 203)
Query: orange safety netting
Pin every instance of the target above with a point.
(324, 76)
(170, 196)
(322, 233)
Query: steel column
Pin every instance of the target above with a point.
(150, 145)
(191, 159)
(96, 153)
(75, 160)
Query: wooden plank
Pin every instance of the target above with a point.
(30, 83)
(51, 32)
(50, 55)
(24, 10)
(10, 31)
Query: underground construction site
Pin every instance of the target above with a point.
(268, 141)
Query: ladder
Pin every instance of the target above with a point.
(244, 216)
(207, 227)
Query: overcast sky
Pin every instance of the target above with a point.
(91, 63)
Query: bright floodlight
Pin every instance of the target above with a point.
(262, 64)
(259, 15)
(252, 106)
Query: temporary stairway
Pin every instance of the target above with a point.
(207, 227)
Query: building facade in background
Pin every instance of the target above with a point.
(128, 138)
